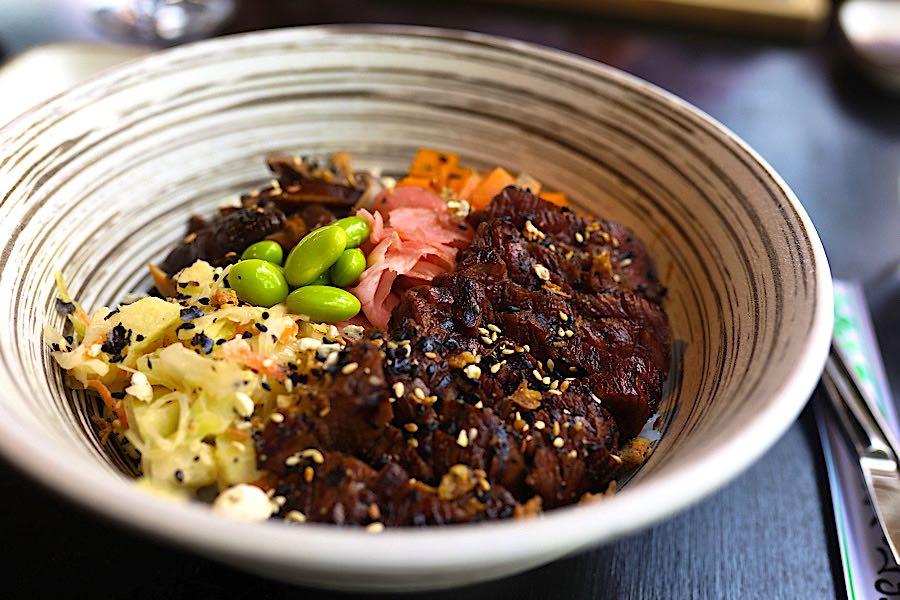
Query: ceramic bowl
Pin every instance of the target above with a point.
(102, 178)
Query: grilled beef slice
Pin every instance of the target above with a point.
(509, 383)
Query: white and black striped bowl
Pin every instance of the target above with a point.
(102, 178)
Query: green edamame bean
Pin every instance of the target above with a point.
(349, 266)
(323, 279)
(357, 229)
(265, 250)
(314, 255)
(258, 282)
(323, 303)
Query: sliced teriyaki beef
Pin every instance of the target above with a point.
(338, 456)
(514, 380)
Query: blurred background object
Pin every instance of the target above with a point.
(167, 21)
(872, 29)
(789, 18)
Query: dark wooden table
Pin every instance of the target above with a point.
(769, 534)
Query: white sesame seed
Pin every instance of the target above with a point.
(542, 272)
(483, 331)
(419, 393)
(479, 404)
(572, 454)
(316, 456)
(472, 371)
(375, 527)
(563, 316)
(558, 442)
(292, 461)
(349, 368)
(569, 333)
(399, 389)
(616, 458)
(493, 328)
(579, 238)
(245, 404)
(411, 427)
(463, 439)
(295, 516)
(473, 433)
(277, 417)
(486, 340)
(537, 375)
(550, 364)
(539, 425)
(496, 367)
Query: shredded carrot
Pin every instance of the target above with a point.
(254, 360)
(111, 403)
(557, 198)
(237, 434)
(288, 333)
(490, 187)
(87, 345)
(82, 316)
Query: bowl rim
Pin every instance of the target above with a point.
(555, 533)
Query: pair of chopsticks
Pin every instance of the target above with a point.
(875, 445)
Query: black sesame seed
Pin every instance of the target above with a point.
(265, 316)
(118, 395)
(247, 335)
(139, 338)
(179, 476)
(64, 308)
(266, 386)
(202, 341)
(193, 312)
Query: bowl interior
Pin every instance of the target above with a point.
(101, 180)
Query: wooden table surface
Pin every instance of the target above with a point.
(769, 534)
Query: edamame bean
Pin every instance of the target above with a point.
(265, 250)
(348, 268)
(324, 278)
(323, 303)
(357, 229)
(258, 282)
(314, 255)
